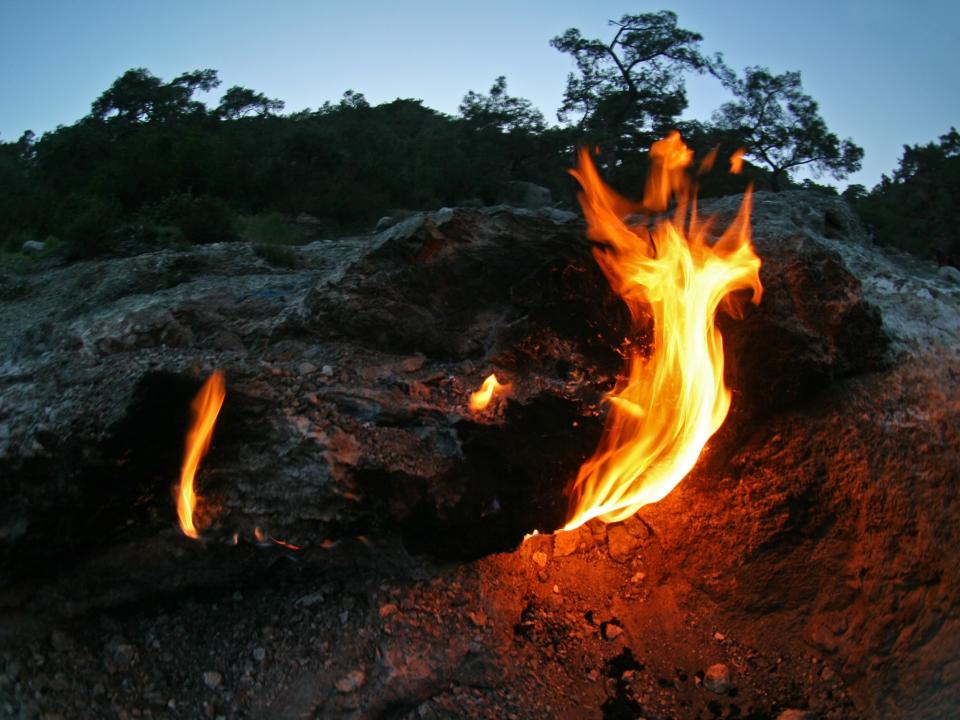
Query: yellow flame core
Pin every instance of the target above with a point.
(672, 400)
(480, 399)
(206, 406)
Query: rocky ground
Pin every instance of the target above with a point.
(804, 569)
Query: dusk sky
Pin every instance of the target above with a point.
(885, 73)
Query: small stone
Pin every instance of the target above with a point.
(796, 715)
(946, 271)
(121, 656)
(259, 654)
(540, 558)
(611, 631)
(478, 618)
(61, 641)
(33, 247)
(413, 363)
(719, 636)
(307, 368)
(717, 678)
(621, 545)
(212, 679)
(565, 543)
(594, 675)
(353, 680)
(638, 578)
(388, 610)
(326, 370)
(556, 589)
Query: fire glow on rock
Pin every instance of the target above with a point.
(672, 399)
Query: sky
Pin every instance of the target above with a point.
(885, 72)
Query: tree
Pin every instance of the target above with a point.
(501, 110)
(239, 101)
(780, 126)
(139, 96)
(630, 89)
(917, 209)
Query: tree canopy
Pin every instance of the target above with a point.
(629, 89)
(501, 110)
(917, 208)
(140, 96)
(152, 164)
(781, 127)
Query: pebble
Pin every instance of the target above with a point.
(611, 631)
(212, 679)
(621, 545)
(353, 680)
(307, 368)
(717, 678)
(326, 370)
(540, 558)
(387, 610)
(61, 641)
(565, 543)
(259, 654)
(719, 636)
(413, 363)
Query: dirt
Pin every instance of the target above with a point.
(367, 631)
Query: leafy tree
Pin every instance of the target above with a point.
(501, 110)
(139, 96)
(631, 88)
(239, 102)
(780, 126)
(917, 208)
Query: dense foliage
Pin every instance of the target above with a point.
(919, 207)
(152, 166)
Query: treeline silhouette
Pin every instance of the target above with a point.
(151, 166)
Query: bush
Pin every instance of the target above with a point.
(88, 226)
(199, 219)
(271, 229)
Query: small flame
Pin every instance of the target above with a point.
(736, 161)
(206, 406)
(263, 538)
(480, 399)
(672, 399)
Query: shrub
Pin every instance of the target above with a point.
(199, 219)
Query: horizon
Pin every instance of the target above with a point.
(424, 52)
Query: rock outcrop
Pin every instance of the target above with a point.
(828, 501)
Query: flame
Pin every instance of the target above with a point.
(263, 538)
(206, 406)
(736, 161)
(672, 399)
(480, 399)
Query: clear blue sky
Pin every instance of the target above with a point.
(885, 72)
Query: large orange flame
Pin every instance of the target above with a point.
(206, 406)
(673, 399)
